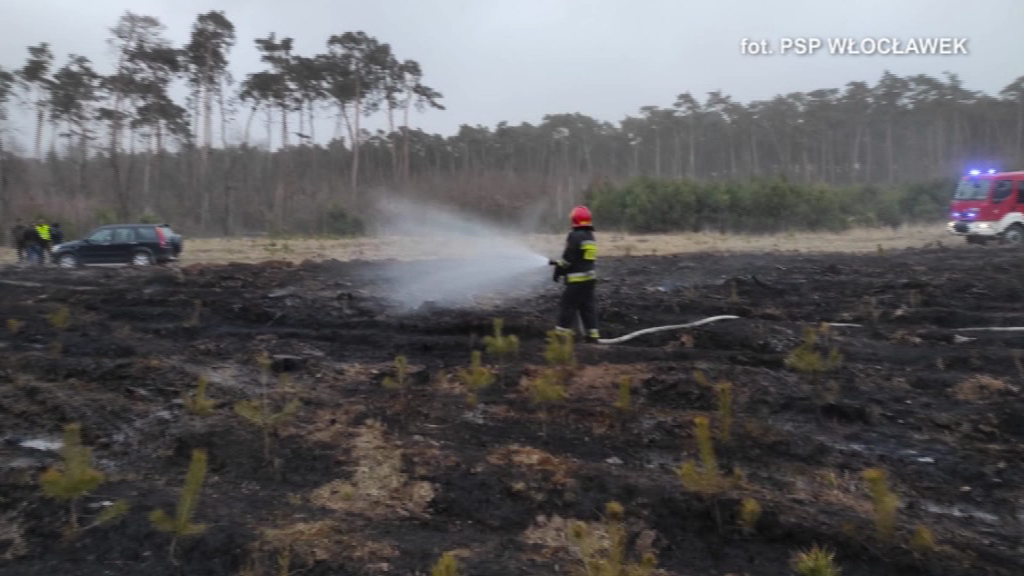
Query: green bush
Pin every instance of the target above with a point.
(338, 222)
(762, 205)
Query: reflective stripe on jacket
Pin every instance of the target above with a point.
(44, 232)
(580, 256)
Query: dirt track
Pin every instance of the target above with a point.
(493, 482)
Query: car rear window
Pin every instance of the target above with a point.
(146, 234)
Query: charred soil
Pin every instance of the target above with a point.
(371, 479)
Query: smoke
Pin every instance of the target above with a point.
(471, 260)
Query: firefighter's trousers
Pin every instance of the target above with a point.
(579, 298)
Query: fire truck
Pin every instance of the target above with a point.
(989, 206)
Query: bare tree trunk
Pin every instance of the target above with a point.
(5, 200)
(693, 149)
(147, 171)
(83, 158)
(889, 150)
(248, 125)
(40, 122)
(284, 129)
(355, 142)
(353, 147)
(405, 141)
(1020, 128)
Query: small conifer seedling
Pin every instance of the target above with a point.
(476, 378)
(501, 346)
(545, 390)
(74, 477)
(181, 525)
(258, 411)
(198, 403)
(816, 561)
(14, 326)
(724, 393)
(447, 565)
(601, 557)
(750, 513)
(399, 380)
(923, 541)
(624, 402)
(806, 358)
(885, 502)
(60, 320)
(559, 353)
(708, 478)
(197, 313)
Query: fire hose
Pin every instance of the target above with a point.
(655, 329)
(632, 335)
(711, 319)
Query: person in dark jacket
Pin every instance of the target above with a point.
(17, 238)
(34, 245)
(56, 239)
(56, 234)
(578, 267)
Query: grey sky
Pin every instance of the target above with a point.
(517, 60)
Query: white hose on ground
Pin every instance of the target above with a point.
(995, 329)
(978, 329)
(664, 329)
(632, 335)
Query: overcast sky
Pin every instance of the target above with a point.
(517, 60)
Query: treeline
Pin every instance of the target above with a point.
(763, 205)
(251, 155)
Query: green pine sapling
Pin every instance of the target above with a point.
(198, 403)
(501, 346)
(74, 478)
(476, 378)
(259, 412)
(180, 525)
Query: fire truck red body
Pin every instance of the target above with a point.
(989, 206)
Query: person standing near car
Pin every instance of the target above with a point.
(43, 231)
(56, 238)
(56, 234)
(33, 245)
(17, 238)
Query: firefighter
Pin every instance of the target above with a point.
(17, 238)
(577, 267)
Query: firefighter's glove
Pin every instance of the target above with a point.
(557, 274)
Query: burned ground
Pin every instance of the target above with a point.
(369, 480)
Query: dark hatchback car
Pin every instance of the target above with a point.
(135, 244)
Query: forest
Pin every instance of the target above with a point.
(111, 142)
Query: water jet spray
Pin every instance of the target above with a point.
(474, 258)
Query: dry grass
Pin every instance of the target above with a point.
(552, 535)
(980, 387)
(260, 249)
(323, 540)
(533, 459)
(378, 487)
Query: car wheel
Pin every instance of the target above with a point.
(141, 258)
(1014, 234)
(68, 261)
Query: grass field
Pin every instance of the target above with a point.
(257, 249)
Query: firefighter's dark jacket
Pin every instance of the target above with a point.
(579, 257)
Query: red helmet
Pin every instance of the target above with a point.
(580, 216)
